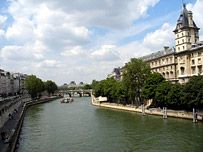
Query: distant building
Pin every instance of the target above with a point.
(179, 63)
(116, 74)
(11, 83)
(186, 59)
(72, 84)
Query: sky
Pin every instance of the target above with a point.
(82, 40)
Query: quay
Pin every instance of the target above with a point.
(151, 111)
(12, 120)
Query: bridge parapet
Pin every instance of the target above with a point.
(80, 93)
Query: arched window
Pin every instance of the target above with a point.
(182, 70)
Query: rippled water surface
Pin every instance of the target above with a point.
(81, 127)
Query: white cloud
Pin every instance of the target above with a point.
(105, 53)
(152, 42)
(197, 15)
(161, 37)
(20, 53)
(2, 19)
(48, 64)
(76, 51)
(53, 37)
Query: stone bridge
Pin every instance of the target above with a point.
(76, 93)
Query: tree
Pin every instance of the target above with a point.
(135, 73)
(50, 86)
(194, 92)
(161, 95)
(87, 87)
(175, 96)
(34, 86)
(150, 85)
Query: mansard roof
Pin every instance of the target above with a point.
(162, 53)
(183, 20)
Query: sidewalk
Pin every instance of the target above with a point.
(9, 128)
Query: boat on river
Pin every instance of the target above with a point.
(67, 100)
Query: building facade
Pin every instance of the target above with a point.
(178, 64)
(11, 83)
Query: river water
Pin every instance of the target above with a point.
(81, 127)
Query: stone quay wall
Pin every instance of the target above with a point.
(13, 126)
(151, 111)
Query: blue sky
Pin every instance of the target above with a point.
(82, 40)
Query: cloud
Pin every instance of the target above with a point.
(20, 53)
(76, 51)
(59, 40)
(197, 14)
(2, 19)
(49, 64)
(152, 42)
(160, 37)
(105, 53)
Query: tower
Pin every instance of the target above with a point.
(186, 31)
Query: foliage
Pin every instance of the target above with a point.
(110, 88)
(193, 92)
(135, 73)
(150, 85)
(175, 100)
(87, 87)
(34, 86)
(138, 83)
(161, 95)
(50, 86)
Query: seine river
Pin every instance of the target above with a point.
(81, 127)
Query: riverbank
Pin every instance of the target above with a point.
(151, 111)
(13, 126)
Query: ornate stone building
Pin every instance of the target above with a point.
(178, 64)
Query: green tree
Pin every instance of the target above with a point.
(150, 85)
(50, 87)
(175, 96)
(135, 73)
(194, 92)
(87, 87)
(34, 86)
(161, 95)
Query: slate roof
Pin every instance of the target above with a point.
(183, 19)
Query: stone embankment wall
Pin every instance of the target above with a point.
(13, 126)
(150, 111)
(8, 107)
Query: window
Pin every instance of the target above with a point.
(183, 40)
(178, 42)
(188, 33)
(178, 35)
(183, 47)
(199, 60)
(199, 53)
(188, 40)
(199, 69)
(178, 48)
(192, 55)
(193, 70)
(182, 34)
(167, 74)
(182, 70)
(193, 62)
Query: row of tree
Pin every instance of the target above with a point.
(35, 86)
(139, 85)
